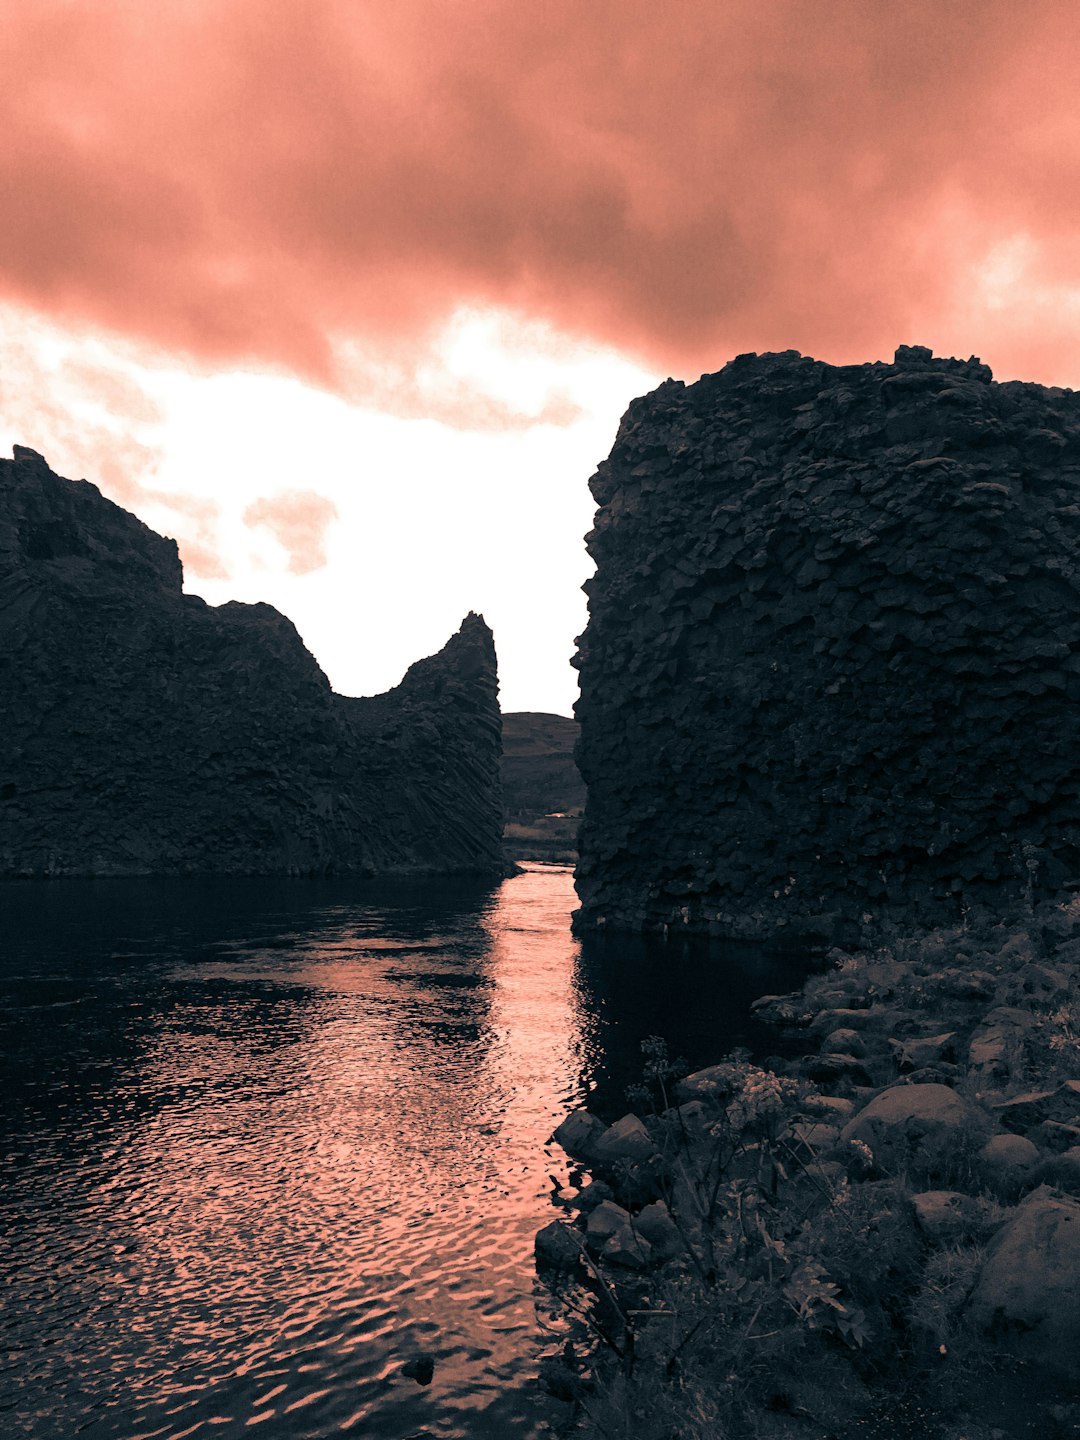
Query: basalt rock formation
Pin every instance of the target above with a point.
(143, 731)
(832, 665)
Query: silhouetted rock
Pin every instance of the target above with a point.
(144, 731)
(832, 668)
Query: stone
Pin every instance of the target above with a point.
(556, 1248)
(815, 1139)
(922, 1126)
(1027, 1295)
(627, 1248)
(603, 1223)
(917, 1051)
(947, 1215)
(144, 732)
(829, 1069)
(1021, 1113)
(829, 1107)
(579, 1133)
(655, 1224)
(1062, 1172)
(1005, 1163)
(420, 1368)
(827, 601)
(844, 1041)
(711, 1085)
(627, 1139)
(591, 1195)
(997, 1044)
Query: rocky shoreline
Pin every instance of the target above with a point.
(880, 1235)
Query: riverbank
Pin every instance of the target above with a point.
(879, 1236)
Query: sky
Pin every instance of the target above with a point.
(349, 296)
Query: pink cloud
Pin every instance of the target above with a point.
(299, 521)
(254, 183)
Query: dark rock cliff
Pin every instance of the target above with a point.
(832, 665)
(144, 731)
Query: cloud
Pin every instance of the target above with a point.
(299, 521)
(277, 185)
(92, 420)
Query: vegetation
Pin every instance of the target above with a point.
(792, 1281)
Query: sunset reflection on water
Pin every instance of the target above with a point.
(264, 1141)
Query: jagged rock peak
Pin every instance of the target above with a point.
(144, 731)
(832, 662)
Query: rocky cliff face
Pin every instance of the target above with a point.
(832, 664)
(144, 731)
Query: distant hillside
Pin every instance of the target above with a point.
(542, 791)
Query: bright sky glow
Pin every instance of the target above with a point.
(432, 520)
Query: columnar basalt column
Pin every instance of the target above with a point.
(832, 664)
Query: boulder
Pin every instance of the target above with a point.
(557, 1247)
(655, 1224)
(947, 1215)
(627, 1140)
(1027, 1295)
(1005, 1163)
(579, 1133)
(603, 1221)
(626, 1247)
(1022, 1113)
(844, 1041)
(1062, 1172)
(924, 1126)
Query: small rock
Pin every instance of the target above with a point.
(999, 1039)
(1005, 1162)
(603, 1222)
(946, 1215)
(1061, 1171)
(556, 1247)
(1052, 1135)
(627, 1139)
(421, 1368)
(591, 1195)
(845, 1041)
(713, 1084)
(1022, 1112)
(816, 1139)
(1027, 1295)
(579, 1133)
(828, 1069)
(628, 1249)
(654, 1222)
(830, 1107)
(918, 1051)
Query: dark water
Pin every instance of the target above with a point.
(262, 1141)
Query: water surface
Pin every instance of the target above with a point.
(262, 1141)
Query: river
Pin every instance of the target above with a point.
(263, 1141)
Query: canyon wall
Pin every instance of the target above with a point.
(831, 675)
(143, 731)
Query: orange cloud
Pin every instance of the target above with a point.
(260, 183)
(298, 521)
